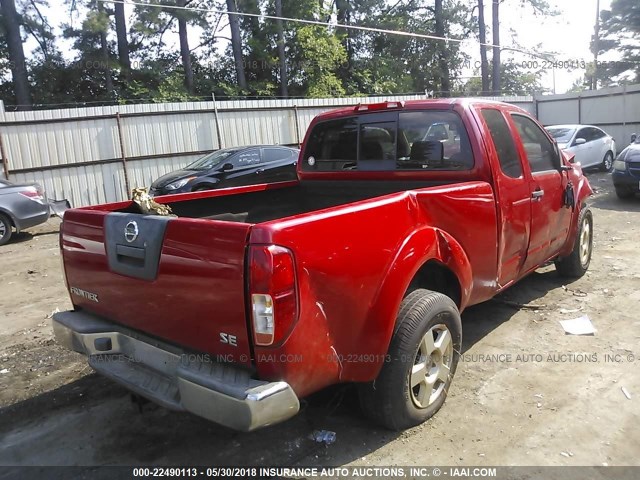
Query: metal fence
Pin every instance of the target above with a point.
(615, 110)
(96, 155)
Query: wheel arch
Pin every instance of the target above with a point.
(429, 258)
(583, 191)
(12, 219)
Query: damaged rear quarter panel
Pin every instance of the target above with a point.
(353, 266)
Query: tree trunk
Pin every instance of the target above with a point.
(484, 65)
(596, 49)
(443, 67)
(496, 49)
(185, 53)
(284, 80)
(16, 54)
(236, 45)
(123, 43)
(104, 52)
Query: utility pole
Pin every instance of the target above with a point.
(596, 48)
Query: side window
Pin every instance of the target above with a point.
(275, 154)
(503, 141)
(541, 153)
(596, 133)
(582, 133)
(246, 158)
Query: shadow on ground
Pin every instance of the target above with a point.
(28, 236)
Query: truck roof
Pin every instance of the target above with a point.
(432, 103)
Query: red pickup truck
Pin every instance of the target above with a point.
(249, 298)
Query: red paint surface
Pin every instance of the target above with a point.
(353, 263)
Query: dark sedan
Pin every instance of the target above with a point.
(231, 167)
(21, 206)
(626, 170)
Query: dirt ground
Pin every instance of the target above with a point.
(542, 398)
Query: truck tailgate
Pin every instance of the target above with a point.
(178, 279)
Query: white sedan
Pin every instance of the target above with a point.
(591, 145)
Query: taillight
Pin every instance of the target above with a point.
(33, 193)
(61, 250)
(273, 295)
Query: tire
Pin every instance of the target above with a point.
(607, 162)
(577, 262)
(5, 229)
(624, 193)
(427, 322)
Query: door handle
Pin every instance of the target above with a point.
(260, 170)
(537, 194)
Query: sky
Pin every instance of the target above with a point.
(567, 35)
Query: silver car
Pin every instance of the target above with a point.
(592, 146)
(21, 207)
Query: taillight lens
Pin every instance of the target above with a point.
(33, 193)
(61, 250)
(273, 295)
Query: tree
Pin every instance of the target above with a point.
(320, 54)
(443, 68)
(495, 14)
(102, 25)
(282, 60)
(92, 64)
(123, 42)
(484, 64)
(620, 32)
(236, 44)
(11, 22)
(514, 80)
(185, 53)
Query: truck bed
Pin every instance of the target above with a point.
(273, 204)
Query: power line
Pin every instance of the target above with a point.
(318, 22)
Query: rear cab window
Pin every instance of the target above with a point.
(431, 140)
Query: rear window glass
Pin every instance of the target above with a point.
(414, 140)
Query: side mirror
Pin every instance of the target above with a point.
(226, 167)
(580, 141)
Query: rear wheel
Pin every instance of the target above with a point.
(5, 229)
(423, 355)
(577, 262)
(607, 162)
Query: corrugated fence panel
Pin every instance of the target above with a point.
(257, 127)
(168, 134)
(83, 185)
(42, 145)
(558, 112)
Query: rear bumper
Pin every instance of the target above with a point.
(173, 378)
